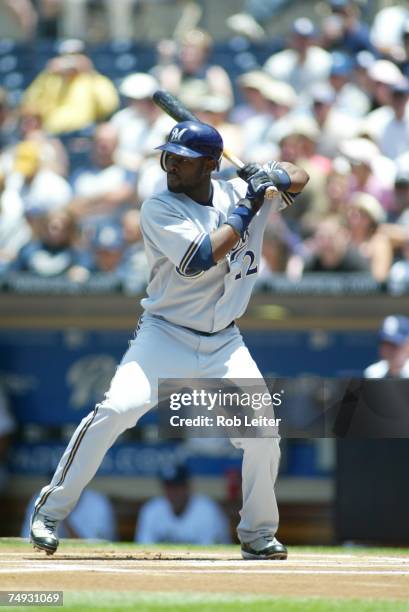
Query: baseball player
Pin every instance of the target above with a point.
(393, 338)
(203, 244)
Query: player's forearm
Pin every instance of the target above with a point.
(222, 241)
(213, 248)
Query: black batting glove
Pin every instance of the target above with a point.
(257, 178)
(248, 171)
(256, 188)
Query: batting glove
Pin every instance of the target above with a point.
(279, 177)
(258, 180)
(248, 171)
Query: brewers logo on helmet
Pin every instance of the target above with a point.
(194, 139)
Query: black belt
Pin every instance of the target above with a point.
(196, 331)
(203, 333)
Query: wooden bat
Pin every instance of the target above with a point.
(176, 109)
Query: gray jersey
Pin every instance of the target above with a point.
(173, 227)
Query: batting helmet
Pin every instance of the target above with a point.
(194, 139)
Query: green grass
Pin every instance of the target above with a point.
(204, 602)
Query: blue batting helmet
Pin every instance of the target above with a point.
(194, 139)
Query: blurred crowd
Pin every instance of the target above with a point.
(77, 146)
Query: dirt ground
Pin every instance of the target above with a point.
(346, 575)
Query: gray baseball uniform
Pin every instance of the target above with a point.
(185, 333)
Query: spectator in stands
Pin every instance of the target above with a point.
(141, 125)
(8, 126)
(349, 99)
(383, 76)
(193, 63)
(393, 135)
(401, 196)
(302, 63)
(398, 279)
(166, 56)
(108, 246)
(117, 252)
(255, 123)
(180, 515)
(343, 29)
(275, 253)
(7, 428)
(393, 349)
(103, 189)
(398, 226)
(363, 62)
(119, 21)
(398, 233)
(52, 151)
(48, 17)
(280, 100)
(93, 518)
(335, 125)
(337, 188)
(402, 58)
(70, 94)
(370, 171)
(298, 144)
(54, 253)
(38, 187)
(386, 30)
(256, 14)
(364, 216)
(250, 86)
(330, 250)
(14, 229)
(18, 20)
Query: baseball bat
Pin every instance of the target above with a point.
(176, 109)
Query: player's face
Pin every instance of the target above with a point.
(187, 174)
(178, 496)
(395, 355)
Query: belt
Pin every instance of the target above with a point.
(195, 331)
(203, 333)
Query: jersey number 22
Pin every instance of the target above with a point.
(251, 267)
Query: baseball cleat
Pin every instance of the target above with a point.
(265, 547)
(43, 533)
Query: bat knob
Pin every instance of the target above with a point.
(271, 192)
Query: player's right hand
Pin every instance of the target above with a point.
(248, 171)
(256, 189)
(258, 180)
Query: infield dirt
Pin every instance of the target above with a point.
(338, 575)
